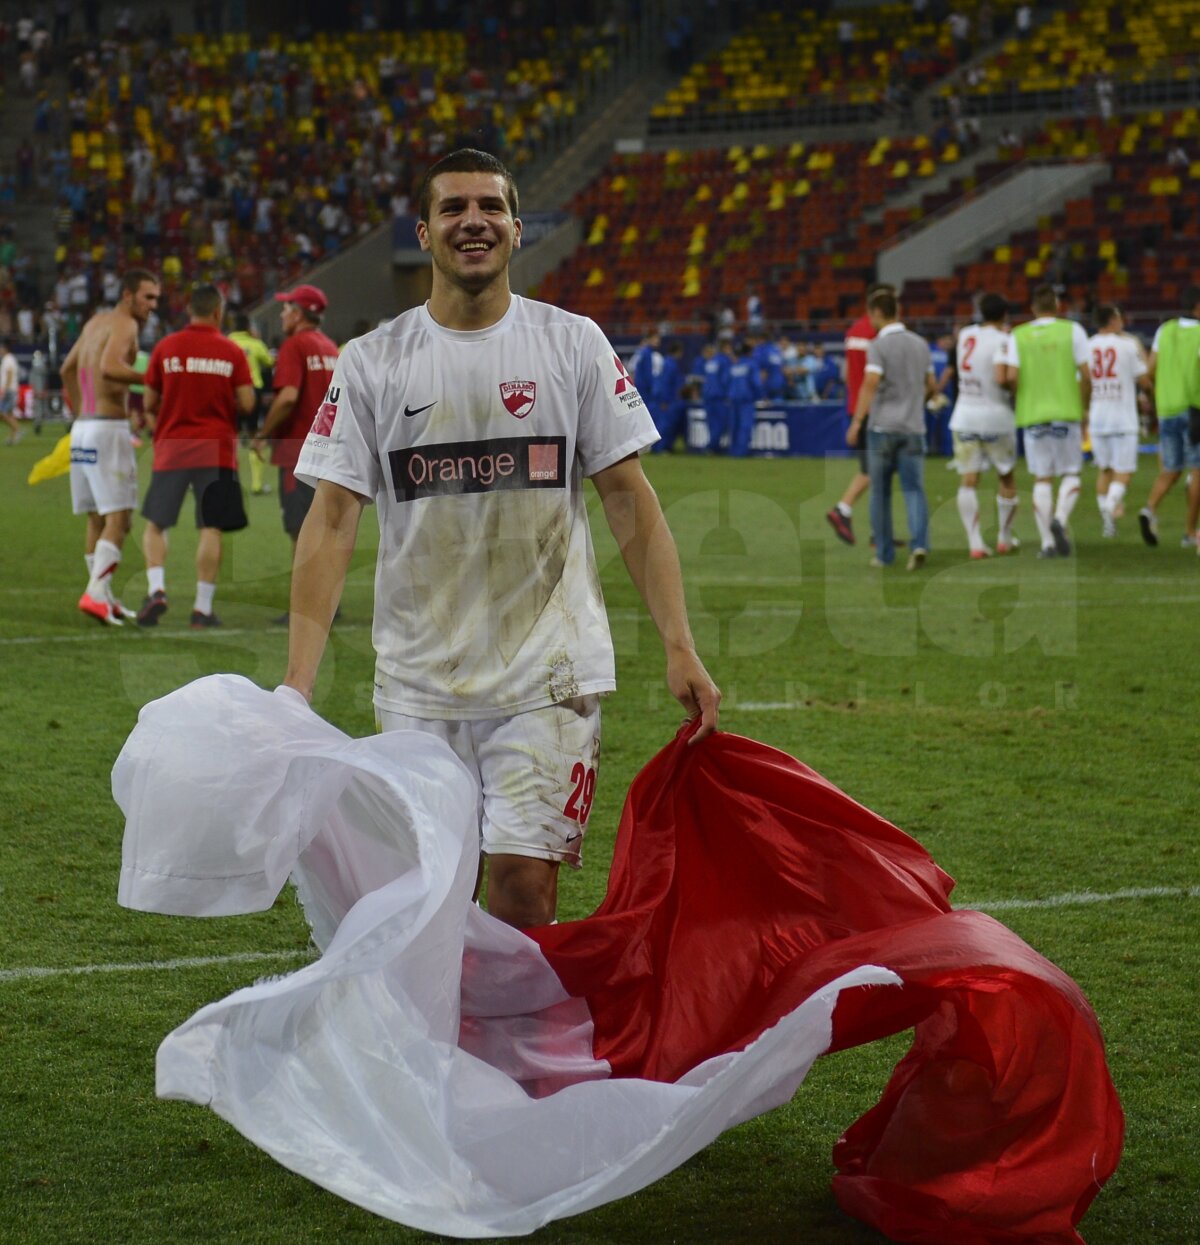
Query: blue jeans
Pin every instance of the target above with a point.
(889, 453)
(1178, 453)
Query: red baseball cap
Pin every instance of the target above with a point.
(306, 296)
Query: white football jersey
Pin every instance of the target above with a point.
(983, 404)
(474, 445)
(1115, 363)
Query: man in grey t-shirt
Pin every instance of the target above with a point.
(899, 379)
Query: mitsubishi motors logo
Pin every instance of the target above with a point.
(518, 396)
(624, 380)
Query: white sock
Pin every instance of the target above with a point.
(1068, 495)
(204, 598)
(968, 511)
(1007, 508)
(105, 561)
(90, 559)
(1115, 496)
(156, 579)
(1102, 504)
(1043, 510)
(844, 510)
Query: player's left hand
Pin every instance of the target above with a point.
(852, 434)
(693, 687)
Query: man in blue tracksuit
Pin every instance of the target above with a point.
(667, 405)
(646, 367)
(769, 360)
(714, 393)
(744, 391)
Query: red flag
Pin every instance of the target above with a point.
(742, 882)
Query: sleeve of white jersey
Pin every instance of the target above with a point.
(1079, 341)
(1007, 352)
(342, 446)
(614, 422)
(1136, 360)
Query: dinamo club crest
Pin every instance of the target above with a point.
(518, 396)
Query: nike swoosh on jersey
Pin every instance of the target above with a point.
(410, 411)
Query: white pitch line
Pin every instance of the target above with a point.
(148, 966)
(617, 614)
(1077, 898)
(1069, 900)
(103, 635)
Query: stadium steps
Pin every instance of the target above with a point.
(966, 231)
(575, 168)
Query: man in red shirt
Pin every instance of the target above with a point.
(197, 383)
(303, 372)
(858, 336)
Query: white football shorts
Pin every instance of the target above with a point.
(1054, 449)
(976, 451)
(537, 771)
(1115, 451)
(103, 467)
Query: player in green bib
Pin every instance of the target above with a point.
(1175, 370)
(1046, 364)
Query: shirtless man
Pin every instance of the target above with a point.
(97, 374)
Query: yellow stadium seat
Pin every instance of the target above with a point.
(594, 278)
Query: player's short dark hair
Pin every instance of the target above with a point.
(205, 300)
(1106, 313)
(241, 322)
(993, 308)
(884, 301)
(881, 287)
(1044, 298)
(134, 278)
(465, 160)
(1191, 299)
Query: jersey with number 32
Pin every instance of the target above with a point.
(1115, 363)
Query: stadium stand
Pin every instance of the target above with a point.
(243, 161)
(1133, 240)
(669, 235)
(796, 67)
(1106, 56)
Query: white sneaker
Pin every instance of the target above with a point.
(1108, 525)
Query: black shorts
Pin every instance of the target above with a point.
(217, 492)
(295, 499)
(862, 449)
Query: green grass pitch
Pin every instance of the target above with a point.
(1033, 723)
